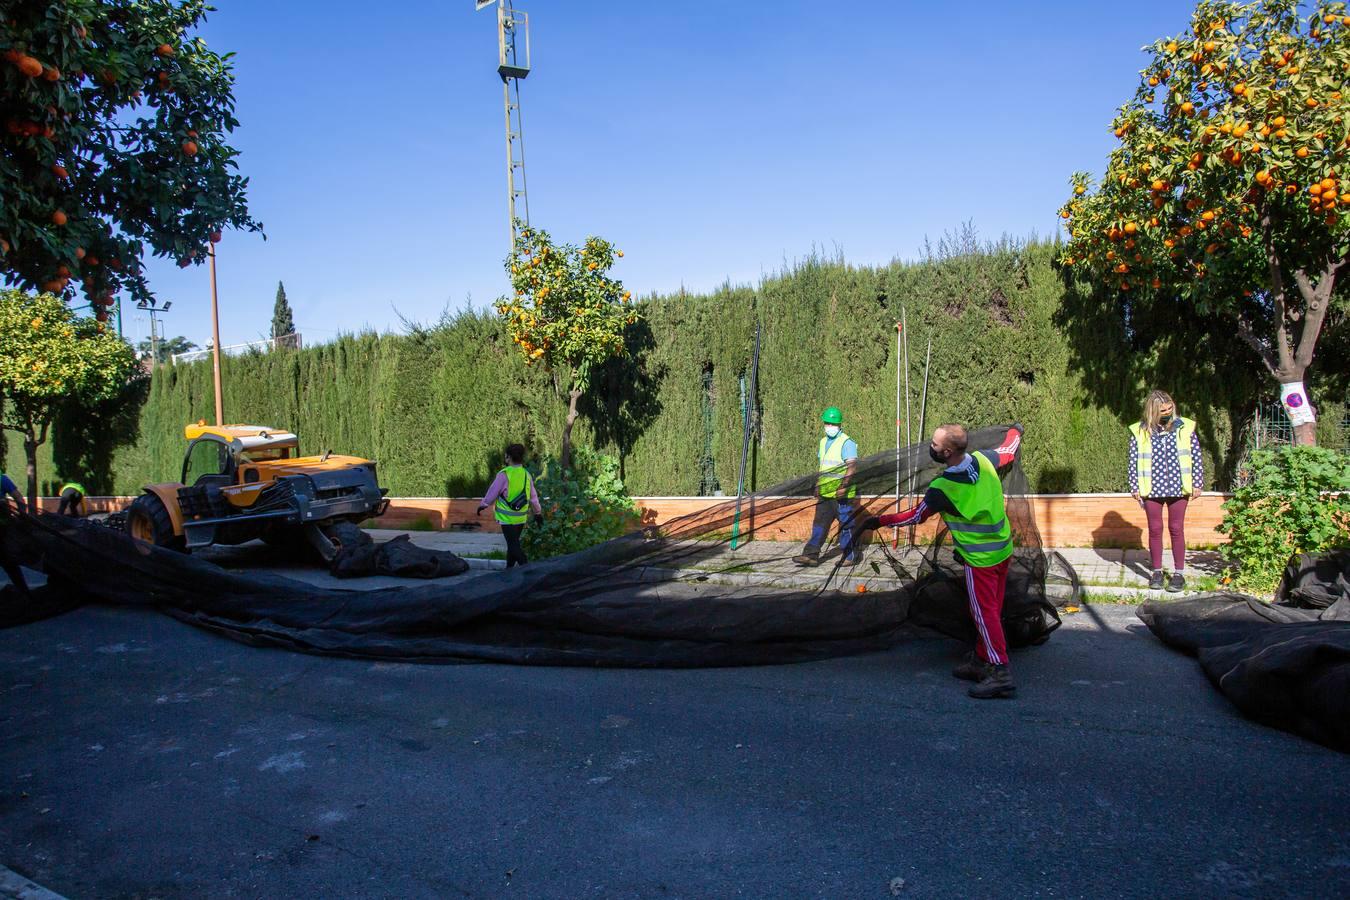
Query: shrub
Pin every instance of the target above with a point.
(583, 506)
(1297, 501)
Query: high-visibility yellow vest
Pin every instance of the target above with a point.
(69, 485)
(512, 507)
(1143, 461)
(980, 527)
(832, 465)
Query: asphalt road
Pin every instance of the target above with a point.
(140, 757)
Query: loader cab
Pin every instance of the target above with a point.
(208, 460)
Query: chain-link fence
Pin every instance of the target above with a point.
(1269, 427)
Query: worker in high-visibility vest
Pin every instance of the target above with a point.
(1166, 471)
(510, 494)
(72, 500)
(968, 494)
(836, 492)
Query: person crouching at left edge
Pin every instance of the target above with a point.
(510, 493)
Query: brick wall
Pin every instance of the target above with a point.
(1064, 520)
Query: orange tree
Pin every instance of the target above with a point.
(113, 125)
(1228, 194)
(566, 312)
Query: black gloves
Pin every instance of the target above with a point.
(538, 520)
(479, 511)
(1021, 429)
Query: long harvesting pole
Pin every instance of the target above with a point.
(746, 407)
(923, 408)
(899, 327)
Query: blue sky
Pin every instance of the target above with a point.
(710, 141)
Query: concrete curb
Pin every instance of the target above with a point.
(14, 886)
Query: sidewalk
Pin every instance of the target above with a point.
(1101, 571)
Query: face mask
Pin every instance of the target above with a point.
(832, 431)
(1165, 419)
(937, 456)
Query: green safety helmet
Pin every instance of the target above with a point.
(832, 416)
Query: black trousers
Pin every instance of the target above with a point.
(70, 503)
(515, 555)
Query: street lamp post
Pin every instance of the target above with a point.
(153, 309)
(215, 337)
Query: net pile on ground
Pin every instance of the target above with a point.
(684, 594)
(1286, 664)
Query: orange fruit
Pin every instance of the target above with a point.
(60, 172)
(1159, 185)
(190, 148)
(79, 253)
(59, 218)
(51, 73)
(1131, 228)
(164, 50)
(1278, 121)
(29, 66)
(1187, 108)
(1301, 152)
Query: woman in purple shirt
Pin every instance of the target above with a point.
(511, 491)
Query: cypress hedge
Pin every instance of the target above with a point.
(436, 406)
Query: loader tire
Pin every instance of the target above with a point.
(148, 520)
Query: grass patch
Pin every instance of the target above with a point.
(485, 554)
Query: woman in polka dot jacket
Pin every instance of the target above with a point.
(1166, 471)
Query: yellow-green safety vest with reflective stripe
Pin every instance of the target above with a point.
(73, 484)
(980, 529)
(832, 465)
(512, 507)
(1143, 461)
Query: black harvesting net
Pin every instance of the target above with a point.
(717, 588)
(1287, 663)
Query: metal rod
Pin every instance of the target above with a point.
(510, 163)
(746, 406)
(215, 337)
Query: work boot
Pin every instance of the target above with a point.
(1155, 583)
(972, 668)
(806, 559)
(850, 560)
(997, 682)
(1176, 582)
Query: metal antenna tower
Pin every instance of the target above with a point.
(513, 64)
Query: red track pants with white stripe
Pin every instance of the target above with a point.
(985, 586)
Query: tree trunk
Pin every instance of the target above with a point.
(566, 460)
(1288, 357)
(30, 445)
(1305, 435)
